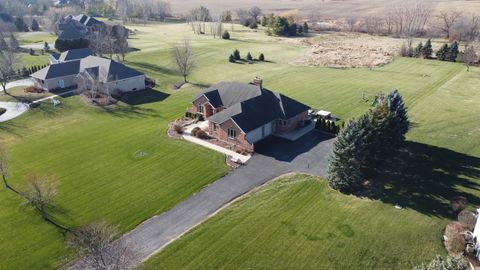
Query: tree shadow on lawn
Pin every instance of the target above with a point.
(154, 68)
(425, 178)
(11, 128)
(144, 97)
(125, 111)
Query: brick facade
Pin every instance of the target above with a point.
(221, 132)
(292, 123)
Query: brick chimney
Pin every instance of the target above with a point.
(258, 81)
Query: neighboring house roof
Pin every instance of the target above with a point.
(103, 69)
(86, 20)
(71, 31)
(58, 70)
(251, 106)
(108, 70)
(74, 54)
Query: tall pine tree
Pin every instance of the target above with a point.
(401, 124)
(345, 167)
(442, 53)
(453, 52)
(427, 49)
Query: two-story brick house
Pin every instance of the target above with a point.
(243, 114)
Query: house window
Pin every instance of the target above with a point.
(282, 122)
(232, 133)
(61, 83)
(200, 108)
(214, 127)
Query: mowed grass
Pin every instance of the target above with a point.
(118, 164)
(298, 222)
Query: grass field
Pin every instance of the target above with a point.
(118, 164)
(36, 37)
(298, 222)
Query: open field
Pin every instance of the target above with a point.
(36, 38)
(118, 164)
(326, 8)
(298, 222)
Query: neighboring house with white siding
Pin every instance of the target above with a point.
(69, 64)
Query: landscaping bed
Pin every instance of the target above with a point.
(2, 111)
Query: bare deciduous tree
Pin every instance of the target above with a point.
(351, 22)
(255, 12)
(469, 57)
(184, 58)
(4, 168)
(8, 61)
(95, 244)
(448, 20)
(39, 194)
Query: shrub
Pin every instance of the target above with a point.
(231, 58)
(32, 52)
(66, 44)
(454, 239)
(468, 219)
(195, 131)
(178, 128)
(458, 203)
(249, 57)
(236, 54)
(2, 111)
(253, 24)
(261, 57)
(201, 134)
(226, 35)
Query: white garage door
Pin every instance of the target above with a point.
(259, 133)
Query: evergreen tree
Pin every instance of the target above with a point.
(35, 26)
(300, 30)
(46, 47)
(226, 35)
(427, 49)
(249, 57)
(231, 58)
(264, 21)
(20, 24)
(344, 170)
(418, 49)
(261, 57)
(453, 53)
(3, 43)
(236, 54)
(401, 123)
(305, 27)
(442, 53)
(14, 45)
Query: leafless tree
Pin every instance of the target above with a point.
(216, 27)
(255, 12)
(4, 168)
(40, 194)
(351, 22)
(122, 47)
(242, 15)
(96, 245)
(469, 57)
(184, 58)
(8, 61)
(473, 28)
(407, 17)
(448, 20)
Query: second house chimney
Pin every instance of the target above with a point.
(258, 81)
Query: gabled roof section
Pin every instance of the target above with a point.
(226, 94)
(86, 20)
(58, 70)
(109, 70)
(70, 31)
(75, 54)
(254, 112)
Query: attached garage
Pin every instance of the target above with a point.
(260, 133)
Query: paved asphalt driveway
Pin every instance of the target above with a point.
(274, 157)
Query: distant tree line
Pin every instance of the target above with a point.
(366, 142)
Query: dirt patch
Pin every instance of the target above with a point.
(346, 50)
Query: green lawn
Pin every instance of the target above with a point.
(118, 164)
(298, 222)
(18, 94)
(36, 37)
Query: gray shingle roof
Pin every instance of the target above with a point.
(70, 31)
(58, 70)
(226, 94)
(75, 54)
(104, 69)
(252, 112)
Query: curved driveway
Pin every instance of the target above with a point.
(274, 157)
(14, 109)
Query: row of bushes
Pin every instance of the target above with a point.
(327, 126)
(25, 72)
(235, 56)
(194, 115)
(2, 111)
(199, 133)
